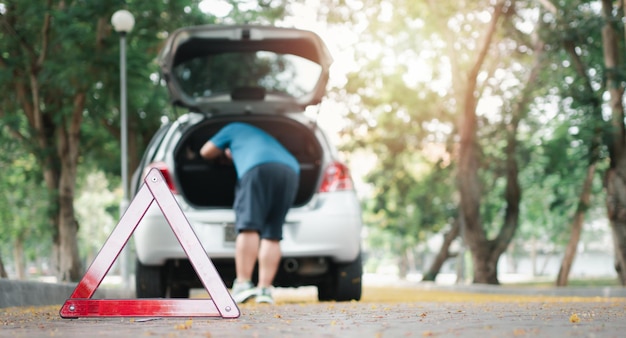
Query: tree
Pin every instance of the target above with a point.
(571, 39)
(60, 76)
(485, 252)
(60, 68)
(590, 40)
(472, 64)
(22, 203)
(615, 180)
(444, 252)
(3, 272)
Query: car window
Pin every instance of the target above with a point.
(225, 73)
(154, 144)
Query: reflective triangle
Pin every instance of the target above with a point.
(154, 188)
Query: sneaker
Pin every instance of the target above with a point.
(264, 295)
(242, 291)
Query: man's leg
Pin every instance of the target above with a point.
(246, 254)
(269, 258)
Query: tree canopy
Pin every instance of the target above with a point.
(60, 72)
(501, 122)
(514, 91)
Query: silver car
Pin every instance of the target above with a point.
(265, 76)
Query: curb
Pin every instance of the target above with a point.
(15, 293)
(567, 291)
(503, 289)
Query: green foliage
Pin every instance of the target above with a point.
(22, 201)
(404, 100)
(404, 105)
(571, 118)
(80, 54)
(94, 203)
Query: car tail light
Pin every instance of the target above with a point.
(336, 178)
(165, 172)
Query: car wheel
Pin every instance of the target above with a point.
(149, 281)
(345, 283)
(178, 291)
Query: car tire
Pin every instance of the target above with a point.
(345, 283)
(149, 281)
(179, 291)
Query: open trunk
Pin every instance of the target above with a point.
(212, 183)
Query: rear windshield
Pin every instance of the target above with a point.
(267, 72)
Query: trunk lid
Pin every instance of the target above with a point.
(244, 68)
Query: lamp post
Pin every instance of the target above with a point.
(123, 22)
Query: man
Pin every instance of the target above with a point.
(267, 182)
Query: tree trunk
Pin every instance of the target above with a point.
(616, 210)
(615, 176)
(485, 264)
(18, 258)
(68, 138)
(511, 259)
(443, 254)
(403, 266)
(577, 225)
(469, 155)
(3, 271)
(60, 176)
(51, 179)
(616, 265)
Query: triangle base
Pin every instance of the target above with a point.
(75, 308)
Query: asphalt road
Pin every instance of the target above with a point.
(385, 311)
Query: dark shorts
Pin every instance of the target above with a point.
(263, 197)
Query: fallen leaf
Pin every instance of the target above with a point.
(519, 332)
(185, 326)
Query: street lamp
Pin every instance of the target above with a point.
(123, 22)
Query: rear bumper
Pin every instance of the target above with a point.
(329, 227)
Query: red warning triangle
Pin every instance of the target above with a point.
(154, 188)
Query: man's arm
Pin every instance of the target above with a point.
(210, 151)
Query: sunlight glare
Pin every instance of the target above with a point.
(386, 12)
(484, 16)
(219, 8)
(418, 72)
(339, 40)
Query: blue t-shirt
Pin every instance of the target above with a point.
(251, 146)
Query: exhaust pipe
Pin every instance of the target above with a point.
(290, 265)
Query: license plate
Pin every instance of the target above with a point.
(230, 234)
